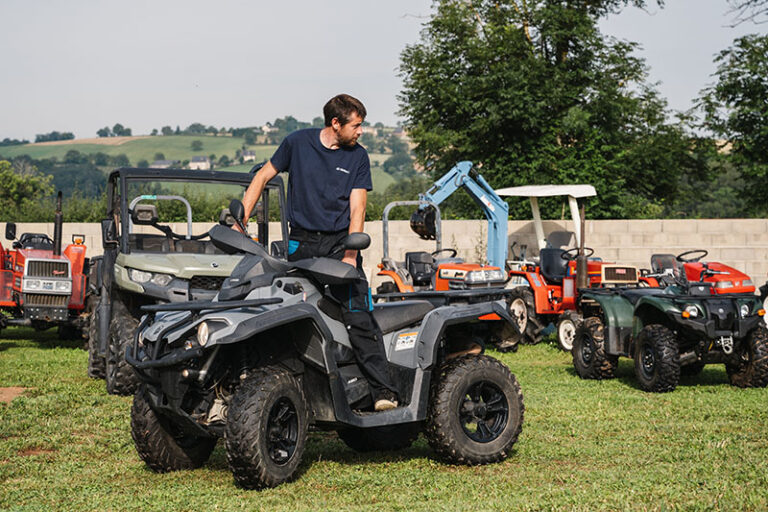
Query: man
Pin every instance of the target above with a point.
(329, 176)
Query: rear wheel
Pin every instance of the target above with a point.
(476, 411)
(657, 359)
(566, 329)
(387, 438)
(266, 429)
(96, 363)
(752, 369)
(588, 351)
(161, 445)
(121, 379)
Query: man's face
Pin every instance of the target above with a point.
(347, 134)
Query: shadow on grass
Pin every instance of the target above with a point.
(43, 339)
(712, 375)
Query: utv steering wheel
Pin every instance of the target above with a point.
(452, 251)
(572, 254)
(701, 253)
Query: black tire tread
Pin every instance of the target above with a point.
(753, 374)
(97, 365)
(602, 366)
(667, 359)
(120, 376)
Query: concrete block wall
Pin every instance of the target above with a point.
(740, 243)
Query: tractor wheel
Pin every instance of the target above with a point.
(476, 411)
(121, 379)
(379, 439)
(657, 359)
(266, 429)
(765, 305)
(567, 325)
(522, 309)
(752, 369)
(588, 351)
(161, 445)
(96, 363)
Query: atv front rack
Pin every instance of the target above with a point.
(444, 298)
(207, 305)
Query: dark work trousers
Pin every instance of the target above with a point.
(355, 301)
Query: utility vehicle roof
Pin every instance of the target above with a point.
(576, 191)
(183, 175)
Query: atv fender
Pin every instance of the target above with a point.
(618, 315)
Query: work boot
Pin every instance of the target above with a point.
(385, 401)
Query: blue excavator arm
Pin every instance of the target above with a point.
(495, 209)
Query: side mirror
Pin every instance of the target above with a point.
(10, 231)
(108, 233)
(357, 241)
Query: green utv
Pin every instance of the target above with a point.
(670, 332)
(146, 262)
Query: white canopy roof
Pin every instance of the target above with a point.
(576, 191)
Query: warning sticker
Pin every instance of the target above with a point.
(406, 340)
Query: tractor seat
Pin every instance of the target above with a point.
(39, 241)
(553, 266)
(420, 266)
(392, 316)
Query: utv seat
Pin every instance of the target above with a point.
(420, 266)
(553, 266)
(392, 316)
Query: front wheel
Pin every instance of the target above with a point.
(161, 445)
(522, 309)
(121, 379)
(567, 325)
(657, 359)
(96, 363)
(752, 369)
(476, 411)
(266, 429)
(588, 352)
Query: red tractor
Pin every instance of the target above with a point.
(42, 286)
(688, 267)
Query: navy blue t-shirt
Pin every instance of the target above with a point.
(320, 180)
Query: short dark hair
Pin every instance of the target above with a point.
(342, 107)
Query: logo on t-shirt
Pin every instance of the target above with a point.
(342, 170)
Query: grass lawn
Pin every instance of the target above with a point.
(586, 445)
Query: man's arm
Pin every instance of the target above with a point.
(357, 201)
(253, 193)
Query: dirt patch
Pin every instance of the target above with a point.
(104, 141)
(31, 452)
(8, 394)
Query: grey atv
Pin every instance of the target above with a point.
(670, 332)
(146, 262)
(269, 358)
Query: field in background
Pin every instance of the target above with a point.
(586, 445)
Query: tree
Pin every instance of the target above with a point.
(166, 130)
(532, 92)
(749, 10)
(104, 132)
(735, 110)
(196, 145)
(19, 193)
(159, 156)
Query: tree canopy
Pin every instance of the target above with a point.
(533, 93)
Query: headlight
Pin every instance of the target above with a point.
(484, 276)
(690, 312)
(63, 286)
(723, 284)
(203, 333)
(31, 284)
(747, 282)
(161, 279)
(139, 276)
(744, 310)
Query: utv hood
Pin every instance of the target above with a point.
(181, 265)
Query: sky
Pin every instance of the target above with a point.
(80, 65)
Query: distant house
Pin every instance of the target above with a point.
(164, 164)
(248, 156)
(200, 163)
(268, 128)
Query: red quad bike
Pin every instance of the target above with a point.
(42, 286)
(546, 288)
(669, 269)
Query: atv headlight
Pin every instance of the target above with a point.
(690, 311)
(744, 310)
(724, 284)
(203, 333)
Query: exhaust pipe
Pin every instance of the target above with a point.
(57, 226)
(581, 259)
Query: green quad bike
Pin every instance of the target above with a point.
(670, 332)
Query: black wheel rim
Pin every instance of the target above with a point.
(282, 431)
(484, 412)
(586, 349)
(647, 360)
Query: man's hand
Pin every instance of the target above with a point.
(350, 258)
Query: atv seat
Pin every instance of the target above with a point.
(635, 294)
(420, 266)
(392, 316)
(553, 266)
